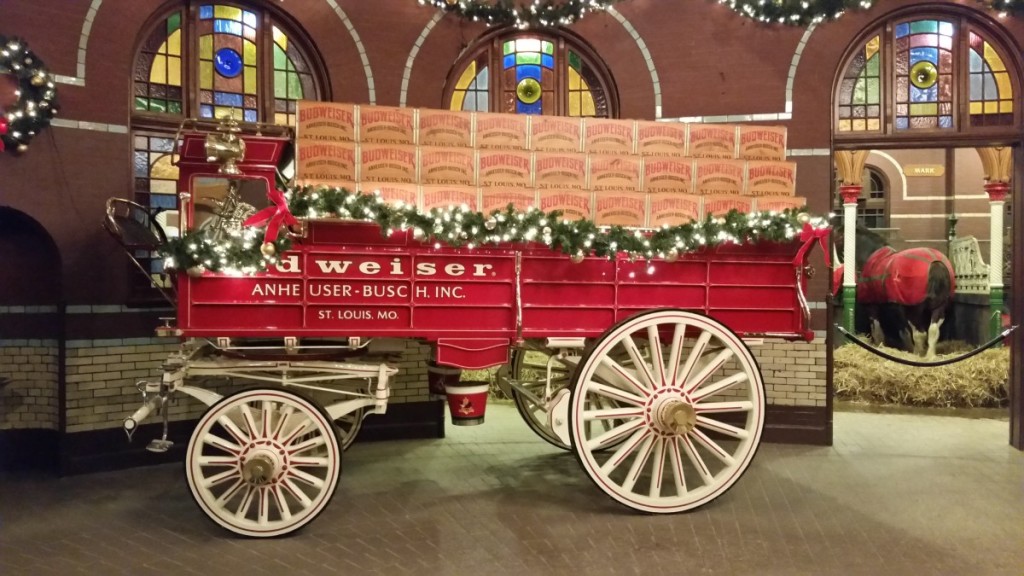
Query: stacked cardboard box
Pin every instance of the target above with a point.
(632, 173)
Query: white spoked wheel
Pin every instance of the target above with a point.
(263, 462)
(688, 411)
(530, 369)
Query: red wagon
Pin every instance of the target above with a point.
(640, 368)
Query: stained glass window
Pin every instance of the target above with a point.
(238, 53)
(158, 73)
(473, 88)
(536, 74)
(928, 73)
(924, 74)
(991, 92)
(861, 90)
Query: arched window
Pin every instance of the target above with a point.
(873, 203)
(941, 73)
(210, 59)
(532, 73)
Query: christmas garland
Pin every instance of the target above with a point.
(248, 252)
(1015, 7)
(542, 13)
(37, 95)
(795, 12)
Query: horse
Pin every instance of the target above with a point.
(904, 293)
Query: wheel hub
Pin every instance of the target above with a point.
(259, 469)
(669, 413)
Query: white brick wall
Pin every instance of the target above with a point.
(29, 398)
(794, 372)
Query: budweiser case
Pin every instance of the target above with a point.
(326, 122)
(445, 196)
(711, 141)
(620, 208)
(498, 198)
(387, 163)
(556, 134)
(762, 143)
(672, 208)
(445, 128)
(394, 193)
(614, 173)
(560, 170)
(668, 175)
(504, 131)
(721, 204)
(661, 139)
(602, 136)
(447, 166)
(325, 161)
(505, 168)
(766, 178)
(719, 177)
(574, 204)
(778, 203)
(387, 125)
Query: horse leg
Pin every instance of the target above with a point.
(933, 337)
(877, 336)
(920, 339)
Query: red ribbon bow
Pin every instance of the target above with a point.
(808, 236)
(3, 131)
(273, 216)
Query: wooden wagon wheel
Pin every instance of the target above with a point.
(348, 427)
(263, 462)
(688, 420)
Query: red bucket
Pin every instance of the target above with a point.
(467, 402)
(440, 376)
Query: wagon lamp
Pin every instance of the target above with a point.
(225, 147)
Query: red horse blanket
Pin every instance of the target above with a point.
(896, 277)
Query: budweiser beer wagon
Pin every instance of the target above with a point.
(639, 366)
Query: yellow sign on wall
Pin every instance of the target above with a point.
(924, 170)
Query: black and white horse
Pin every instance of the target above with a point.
(903, 293)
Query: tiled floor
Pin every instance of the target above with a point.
(897, 494)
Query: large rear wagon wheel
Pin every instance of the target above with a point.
(263, 462)
(689, 411)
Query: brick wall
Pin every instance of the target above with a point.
(794, 372)
(101, 377)
(28, 384)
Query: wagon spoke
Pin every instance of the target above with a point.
(710, 368)
(703, 392)
(306, 477)
(298, 431)
(722, 428)
(282, 421)
(245, 503)
(695, 354)
(643, 377)
(217, 461)
(712, 447)
(250, 422)
(658, 473)
(299, 494)
(615, 374)
(676, 461)
(624, 450)
(267, 412)
(306, 445)
(264, 513)
(310, 461)
(657, 361)
(282, 503)
(697, 460)
(234, 431)
(221, 477)
(223, 499)
(616, 394)
(718, 407)
(676, 352)
(614, 434)
(639, 461)
(611, 413)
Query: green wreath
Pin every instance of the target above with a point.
(37, 96)
(540, 14)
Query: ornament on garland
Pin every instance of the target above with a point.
(539, 14)
(250, 250)
(796, 12)
(36, 96)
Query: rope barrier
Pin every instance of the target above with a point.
(1002, 336)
